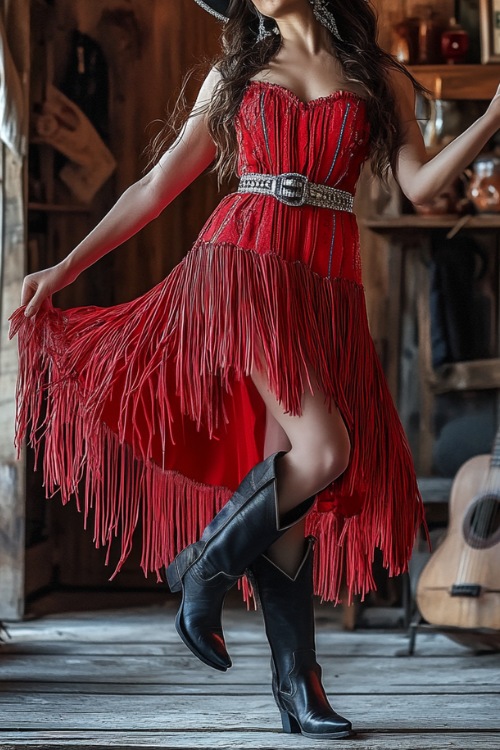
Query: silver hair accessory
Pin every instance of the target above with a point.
(325, 17)
(263, 32)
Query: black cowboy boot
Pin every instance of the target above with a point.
(205, 571)
(287, 605)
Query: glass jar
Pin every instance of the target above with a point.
(405, 41)
(444, 123)
(429, 38)
(484, 185)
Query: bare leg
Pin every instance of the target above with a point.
(287, 552)
(276, 438)
(318, 452)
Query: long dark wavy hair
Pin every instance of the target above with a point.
(363, 61)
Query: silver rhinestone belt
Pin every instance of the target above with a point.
(295, 190)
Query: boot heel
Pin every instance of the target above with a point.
(177, 569)
(290, 723)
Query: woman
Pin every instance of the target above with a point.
(247, 382)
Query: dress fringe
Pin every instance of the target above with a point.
(107, 393)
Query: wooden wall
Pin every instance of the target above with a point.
(149, 45)
(378, 270)
(14, 14)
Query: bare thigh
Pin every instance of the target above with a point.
(317, 440)
(276, 438)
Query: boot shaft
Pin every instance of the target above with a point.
(259, 477)
(288, 609)
(248, 524)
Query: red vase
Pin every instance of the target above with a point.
(454, 43)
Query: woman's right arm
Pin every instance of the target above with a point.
(191, 153)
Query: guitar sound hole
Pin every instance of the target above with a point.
(482, 522)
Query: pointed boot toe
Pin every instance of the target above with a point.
(209, 647)
(198, 620)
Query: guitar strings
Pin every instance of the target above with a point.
(485, 522)
(463, 574)
(469, 555)
(485, 528)
(478, 522)
(471, 562)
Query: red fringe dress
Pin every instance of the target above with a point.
(146, 412)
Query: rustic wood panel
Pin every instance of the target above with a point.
(341, 674)
(11, 540)
(380, 276)
(243, 642)
(147, 66)
(15, 14)
(268, 739)
(200, 688)
(243, 629)
(133, 713)
(459, 81)
(445, 698)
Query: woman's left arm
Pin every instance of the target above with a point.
(420, 178)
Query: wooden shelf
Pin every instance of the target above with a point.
(412, 222)
(478, 374)
(459, 81)
(58, 208)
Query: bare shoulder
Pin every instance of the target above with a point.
(208, 86)
(402, 86)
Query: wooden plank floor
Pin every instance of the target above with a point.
(123, 679)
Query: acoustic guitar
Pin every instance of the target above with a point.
(460, 585)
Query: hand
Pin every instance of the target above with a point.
(39, 286)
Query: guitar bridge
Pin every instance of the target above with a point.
(471, 590)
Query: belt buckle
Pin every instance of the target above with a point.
(291, 188)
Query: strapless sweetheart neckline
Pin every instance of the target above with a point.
(338, 93)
